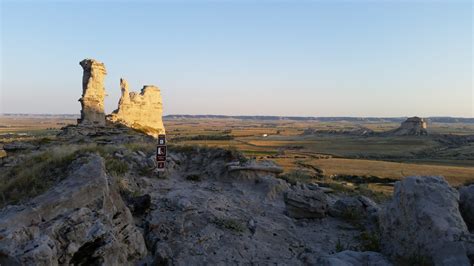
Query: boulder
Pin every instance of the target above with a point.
(356, 207)
(93, 93)
(354, 258)
(142, 111)
(423, 221)
(466, 205)
(81, 220)
(18, 146)
(302, 202)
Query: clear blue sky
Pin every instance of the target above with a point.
(312, 58)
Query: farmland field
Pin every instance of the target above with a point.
(286, 143)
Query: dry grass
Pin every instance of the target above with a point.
(455, 175)
(348, 149)
(40, 170)
(35, 174)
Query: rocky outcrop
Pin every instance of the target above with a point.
(302, 202)
(261, 166)
(235, 217)
(18, 146)
(142, 111)
(356, 207)
(353, 258)
(413, 126)
(423, 221)
(93, 93)
(466, 205)
(81, 220)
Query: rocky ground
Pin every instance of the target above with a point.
(213, 206)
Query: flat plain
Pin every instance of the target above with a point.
(285, 142)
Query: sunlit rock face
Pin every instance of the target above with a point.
(413, 126)
(93, 93)
(142, 111)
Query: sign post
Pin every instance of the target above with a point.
(161, 152)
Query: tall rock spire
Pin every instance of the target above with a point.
(93, 93)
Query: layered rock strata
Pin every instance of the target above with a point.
(142, 111)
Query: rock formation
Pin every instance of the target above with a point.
(80, 221)
(142, 111)
(413, 126)
(349, 257)
(359, 206)
(423, 221)
(18, 146)
(93, 93)
(466, 205)
(305, 203)
(237, 217)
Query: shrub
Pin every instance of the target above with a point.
(116, 167)
(296, 175)
(370, 241)
(146, 147)
(340, 247)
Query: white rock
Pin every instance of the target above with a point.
(142, 111)
(93, 93)
(423, 219)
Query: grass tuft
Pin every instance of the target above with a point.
(34, 175)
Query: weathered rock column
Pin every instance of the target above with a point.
(93, 93)
(142, 111)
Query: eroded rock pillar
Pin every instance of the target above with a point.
(93, 93)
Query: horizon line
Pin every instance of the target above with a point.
(281, 116)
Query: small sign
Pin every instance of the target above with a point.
(161, 166)
(161, 153)
(161, 150)
(161, 140)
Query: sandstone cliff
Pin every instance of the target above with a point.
(413, 126)
(142, 111)
(93, 93)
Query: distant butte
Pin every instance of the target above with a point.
(413, 126)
